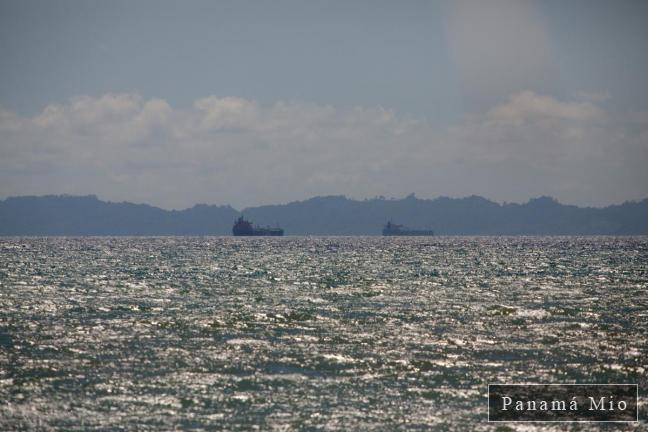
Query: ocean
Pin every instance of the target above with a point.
(310, 333)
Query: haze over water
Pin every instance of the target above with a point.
(309, 333)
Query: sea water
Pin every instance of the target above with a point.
(310, 333)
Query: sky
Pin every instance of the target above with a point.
(174, 103)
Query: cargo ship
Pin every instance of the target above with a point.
(392, 229)
(244, 227)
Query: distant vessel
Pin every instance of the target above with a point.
(244, 227)
(392, 229)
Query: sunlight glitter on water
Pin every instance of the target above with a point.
(313, 333)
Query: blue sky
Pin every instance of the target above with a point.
(244, 102)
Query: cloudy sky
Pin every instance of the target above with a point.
(174, 103)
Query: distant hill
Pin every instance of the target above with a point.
(87, 215)
(332, 215)
(452, 216)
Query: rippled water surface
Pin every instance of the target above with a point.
(322, 333)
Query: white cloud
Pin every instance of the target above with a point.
(224, 113)
(528, 106)
(232, 150)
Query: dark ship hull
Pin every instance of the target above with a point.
(409, 233)
(392, 229)
(243, 227)
(259, 232)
